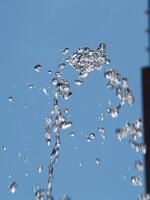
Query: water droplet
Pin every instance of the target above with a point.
(65, 51)
(9, 176)
(136, 181)
(113, 112)
(40, 169)
(25, 106)
(37, 68)
(92, 135)
(31, 86)
(27, 174)
(139, 166)
(109, 102)
(138, 124)
(48, 120)
(39, 194)
(66, 110)
(13, 187)
(78, 82)
(49, 72)
(124, 82)
(4, 148)
(54, 81)
(10, 99)
(80, 164)
(143, 148)
(72, 134)
(101, 130)
(19, 154)
(25, 159)
(66, 125)
(88, 139)
(97, 161)
(45, 91)
(61, 66)
(101, 117)
(58, 74)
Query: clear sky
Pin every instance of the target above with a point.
(36, 31)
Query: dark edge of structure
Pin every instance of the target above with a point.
(146, 106)
(146, 119)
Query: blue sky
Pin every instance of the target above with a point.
(34, 32)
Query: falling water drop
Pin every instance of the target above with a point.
(13, 187)
(49, 72)
(97, 161)
(139, 166)
(10, 99)
(72, 134)
(27, 174)
(37, 68)
(65, 51)
(136, 181)
(101, 117)
(113, 112)
(40, 169)
(45, 91)
(4, 148)
(80, 164)
(78, 82)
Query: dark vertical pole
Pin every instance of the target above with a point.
(146, 105)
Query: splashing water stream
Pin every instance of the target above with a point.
(84, 61)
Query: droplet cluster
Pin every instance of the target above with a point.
(85, 60)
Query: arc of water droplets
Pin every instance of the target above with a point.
(135, 131)
(84, 61)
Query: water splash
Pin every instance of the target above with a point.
(84, 61)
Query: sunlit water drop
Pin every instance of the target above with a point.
(136, 181)
(27, 174)
(101, 117)
(4, 148)
(139, 166)
(13, 187)
(45, 91)
(40, 169)
(113, 112)
(80, 163)
(97, 161)
(72, 134)
(49, 72)
(10, 99)
(65, 51)
(39, 194)
(37, 68)
(61, 66)
(78, 82)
